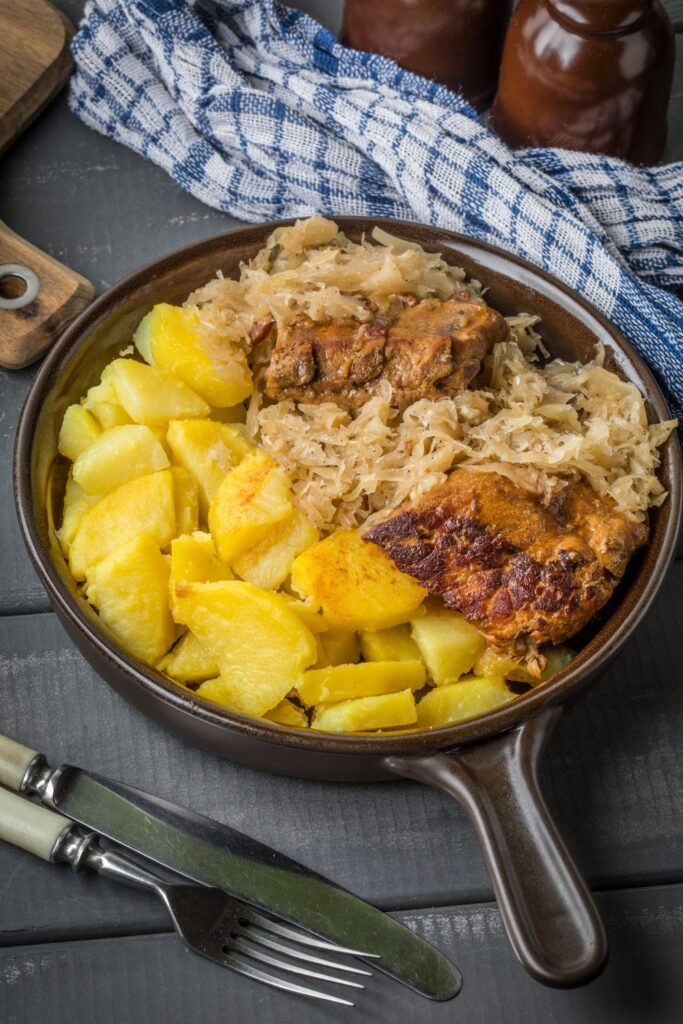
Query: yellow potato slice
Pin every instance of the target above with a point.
(78, 430)
(142, 506)
(337, 647)
(261, 646)
(208, 450)
(102, 402)
(308, 611)
(129, 588)
(449, 645)
(395, 644)
(151, 396)
(189, 661)
(367, 713)
(456, 702)
(117, 456)
(495, 663)
(76, 504)
(268, 562)
(287, 713)
(250, 500)
(194, 560)
(170, 338)
(343, 682)
(356, 583)
(186, 493)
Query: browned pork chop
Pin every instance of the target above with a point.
(423, 349)
(523, 573)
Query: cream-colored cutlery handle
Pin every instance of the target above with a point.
(15, 760)
(29, 826)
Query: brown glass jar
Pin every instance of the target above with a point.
(592, 75)
(455, 42)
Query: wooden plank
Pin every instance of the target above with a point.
(613, 776)
(28, 332)
(34, 62)
(153, 980)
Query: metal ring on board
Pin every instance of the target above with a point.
(30, 279)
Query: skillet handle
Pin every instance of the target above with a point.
(548, 912)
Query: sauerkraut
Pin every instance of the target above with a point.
(540, 424)
(313, 268)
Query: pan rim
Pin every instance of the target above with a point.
(607, 642)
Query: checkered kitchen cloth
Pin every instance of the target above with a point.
(257, 110)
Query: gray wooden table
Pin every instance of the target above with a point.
(79, 949)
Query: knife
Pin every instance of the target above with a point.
(214, 854)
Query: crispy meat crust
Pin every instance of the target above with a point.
(523, 573)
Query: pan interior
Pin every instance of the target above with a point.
(570, 329)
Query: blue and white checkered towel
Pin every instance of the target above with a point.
(257, 110)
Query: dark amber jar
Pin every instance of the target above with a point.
(592, 75)
(455, 42)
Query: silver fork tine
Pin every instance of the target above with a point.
(243, 946)
(298, 954)
(236, 963)
(302, 937)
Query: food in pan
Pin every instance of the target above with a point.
(344, 493)
(525, 572)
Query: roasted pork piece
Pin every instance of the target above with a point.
(523, 573)
(423, 349)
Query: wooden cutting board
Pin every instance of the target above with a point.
(38, 295)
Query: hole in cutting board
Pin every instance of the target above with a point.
(12, 286)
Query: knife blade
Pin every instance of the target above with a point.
(214, 854)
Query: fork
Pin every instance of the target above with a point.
(209, 921)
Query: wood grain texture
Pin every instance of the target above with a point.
(34, 61)
(613, 777)
(152, 979)
(27, 333)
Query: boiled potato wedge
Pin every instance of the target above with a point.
(308, 611)
(250, 500)
(337, 647)
(208, 450)
(287, 713)
(456, 702)
(142, 506)
(495, 663)
(356, 583)
(558, 658)
(170, 338)
(102, 402)
(268, 562)
(395, 644)
(261, 646)
(130, 590)
(78, 430)
(189, 661)
(186, 492)
(117, 456)
(194, 560)
(151, 396)
(448, 644)
(366, 713)
(343, 682)
(76, 504)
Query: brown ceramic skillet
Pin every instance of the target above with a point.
(489, 764)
